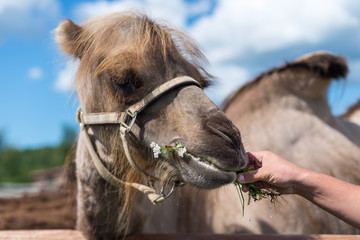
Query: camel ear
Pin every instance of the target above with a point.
(68, 36)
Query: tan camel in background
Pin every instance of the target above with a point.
(285, 110)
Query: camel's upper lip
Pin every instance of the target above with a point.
(206, 162)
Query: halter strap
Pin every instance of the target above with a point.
(133, 110)
(112, 179)
(126, 120)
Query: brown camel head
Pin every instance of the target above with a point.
(125, 56)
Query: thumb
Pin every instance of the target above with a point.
(249, 177)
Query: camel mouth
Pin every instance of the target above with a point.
(193, 168)
(202, 172)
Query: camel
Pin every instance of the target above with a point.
(126, 59)
(285, 110)
(353, 113)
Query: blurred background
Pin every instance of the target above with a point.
(240, 38)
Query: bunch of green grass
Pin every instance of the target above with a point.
(165, 150)
(254, 192)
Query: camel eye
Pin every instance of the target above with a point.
(120, 82)
(129, 81)
(133, 79)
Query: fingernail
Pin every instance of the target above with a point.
(241, 178)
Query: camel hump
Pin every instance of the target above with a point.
(323, 64)
(320, 65)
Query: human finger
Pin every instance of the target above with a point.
(256, 158)
(249, 177)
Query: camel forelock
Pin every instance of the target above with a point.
(132, 41)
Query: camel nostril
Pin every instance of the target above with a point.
(230, 136)
(221, 134)
(236, 157)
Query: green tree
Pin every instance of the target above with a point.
(2, 141)
(16, 165)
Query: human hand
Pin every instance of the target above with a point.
(271, 171)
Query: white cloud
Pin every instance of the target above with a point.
(35, 73)
(160, 9)
(66, 77)
(230, 78)
(175, 12)
(27, 18)
(238, 28)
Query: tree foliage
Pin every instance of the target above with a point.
(16, 165)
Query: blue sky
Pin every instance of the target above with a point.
(241, 38)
